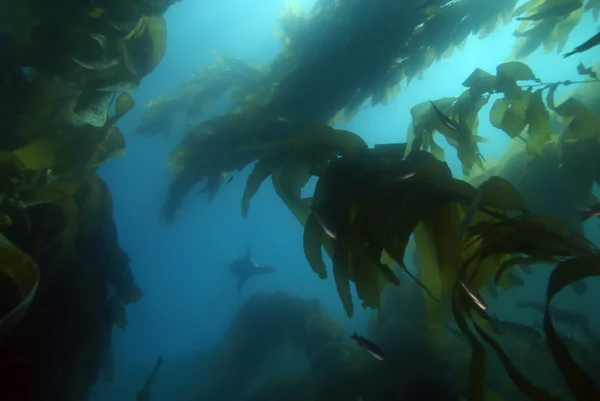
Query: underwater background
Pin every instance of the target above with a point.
(190, 303)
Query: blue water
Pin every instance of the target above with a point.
(190, 298)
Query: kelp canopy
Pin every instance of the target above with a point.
(369, 202)
(334, 59)
(67, 72)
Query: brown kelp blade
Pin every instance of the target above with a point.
(580, 384)
(19, 274)
(513, 262)
(313, 234)
(476, 380)
(526, 386)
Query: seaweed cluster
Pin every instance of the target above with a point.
(368, 202)
(342, 55)
(67, 72)
(338, 369)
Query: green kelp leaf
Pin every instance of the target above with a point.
(513, 262)
(11, 172)
(508, 116)
(565, 27)
(476, 378)
(342, 277)
(525, 385)
(582, 386)
(124, 104)
(584, 123)
(437, 151)
(91, 107)
(366, 276)
(262, 170)
(515, 71)
(550, 96)
(19, 280)
(538, 118)
(480, 82)
(312, 239)
(508, 74)
(500, 194)
(144, 50)
(112, 146)
(288, 183)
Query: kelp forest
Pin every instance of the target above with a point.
(422, 247)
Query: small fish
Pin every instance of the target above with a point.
(562, 10)
(325, 224)
(592, 211)
(99, 64)
(407, 176)
(101, 39)
(368, 346)
(588, 44)
(230, 179)
(476, 298)
(442, 117)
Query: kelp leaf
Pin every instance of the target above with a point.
(501, 194)
(538, 118)
(342, 277)
(508, 116)
(313, 235)
(515, 71)
(91, 107)
(124, 104)
(366, 276)
(581, 385)
(518, 261)
(112, 146)
(143, 51)
(521, 382)
(480, 82)
(476, 380)
(19, 280)
(288, 183)
(262, 170)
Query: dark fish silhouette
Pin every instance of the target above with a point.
(370, 347)
(588, 44)
(592, 211)
(444, 119)
(246, 268)
(144, 394)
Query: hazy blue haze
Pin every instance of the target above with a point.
(189, 297)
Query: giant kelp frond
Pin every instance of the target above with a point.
(229, 143)
(375, 204)
(247, 86)
(341, 54)
(266, 322)
(520, 112)
(547, 23)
